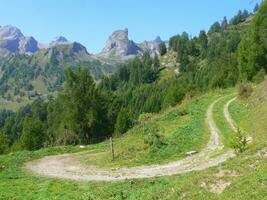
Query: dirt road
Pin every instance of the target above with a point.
(68, 166)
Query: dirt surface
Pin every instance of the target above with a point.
(228, 116)
(68, 166)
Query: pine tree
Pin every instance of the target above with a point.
(216, 27)
(162, 49)
(224, 23)
(32, 135)
(256, 8)
(122, 122)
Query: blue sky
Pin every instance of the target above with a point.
(90, 22)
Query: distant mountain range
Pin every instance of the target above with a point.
(118, 45)
(29, 68)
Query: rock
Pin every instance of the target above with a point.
(119, 45)
(15, 42)
(10, 33)
(249, 139)
(28, 45)
(60, 40)
(190, 153)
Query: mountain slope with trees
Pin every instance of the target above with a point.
(86, 113)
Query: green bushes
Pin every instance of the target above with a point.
(239, 142)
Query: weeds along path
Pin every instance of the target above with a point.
(68, 166)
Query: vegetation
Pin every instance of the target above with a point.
(245, 173)
(162, 49)
(84, 113)
(153, 119)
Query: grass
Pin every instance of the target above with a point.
(165, 137)
(246, 173)
(225, 130)
(13, 105)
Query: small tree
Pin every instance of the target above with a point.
(239, 142)
(32, 134)
(162, 49)
(216, 27)
(224, 23)
(244, 90)
(122, 122)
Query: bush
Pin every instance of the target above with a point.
(259, 77)
(68, 137)
(239, 142)
(144, 117)
(155, 140)
(244, 90)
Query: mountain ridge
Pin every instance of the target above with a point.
(118, 45)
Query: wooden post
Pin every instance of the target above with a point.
(112, 148)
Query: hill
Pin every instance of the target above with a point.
(232, 179)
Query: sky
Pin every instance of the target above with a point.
(90, 22)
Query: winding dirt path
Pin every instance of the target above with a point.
(68, 166)
(228, 116)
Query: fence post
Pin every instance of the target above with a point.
(112, 148)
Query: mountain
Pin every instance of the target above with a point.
(27, 76)
(119, 46)
(13, 41)
(151, 46)
(28, 45)
(58, 41)
(29, 67)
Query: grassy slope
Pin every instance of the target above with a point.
(247, 174)
(181, 129)
(225, 130)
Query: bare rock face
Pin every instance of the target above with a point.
(28, 45)
(60, 40)
(152, 47)
(10, 33)
(119, 45)
(13, 41)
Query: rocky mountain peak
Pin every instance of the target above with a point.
(28, 45)
(119, 45)
(158, 39)
(59, 40)
(10, 33)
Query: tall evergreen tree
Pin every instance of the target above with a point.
(122, 122)
(256, 8)
(84, 112)
(224, 23)
(216, 27)
(162, 49)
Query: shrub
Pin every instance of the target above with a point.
(144, 117)
(259, 77)
(155, 140)
(239, 142)
(68, 137)
(244, 90)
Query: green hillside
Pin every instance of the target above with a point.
(241, 177)
(27, 77)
